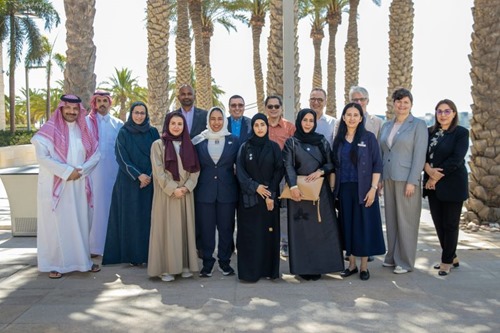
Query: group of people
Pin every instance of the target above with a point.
(124, 192)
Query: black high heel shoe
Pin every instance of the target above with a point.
(455, 264)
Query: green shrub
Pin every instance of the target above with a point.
(18, 138)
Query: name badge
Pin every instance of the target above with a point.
(361, 144)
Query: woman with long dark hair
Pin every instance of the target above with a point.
(445, 179)
(358, 165)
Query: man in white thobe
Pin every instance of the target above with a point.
(104, 128)
(67, 153)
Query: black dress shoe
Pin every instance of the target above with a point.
(348, 272)
(306, 277)
(364, 275)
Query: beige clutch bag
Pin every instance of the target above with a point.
(310, 191)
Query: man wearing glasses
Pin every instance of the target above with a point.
(237, 123)
(326, 123)
(360, 95)
(280, 129)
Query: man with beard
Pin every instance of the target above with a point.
(196, 119)
(67, 153)
(104, 128)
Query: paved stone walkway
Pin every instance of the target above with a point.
(123, 299)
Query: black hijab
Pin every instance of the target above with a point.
(312, 137)
(134, 128)
(261, 147)
(254, 139)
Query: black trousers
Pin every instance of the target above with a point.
(446, 217)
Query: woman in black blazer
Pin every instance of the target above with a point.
(216, 194)
(445, 179)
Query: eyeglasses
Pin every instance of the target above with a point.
(237, 105)
(139, 113)
(357, 100)
(445, 112)
(314, 99)
(275, 106)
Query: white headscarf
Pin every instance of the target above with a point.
(209, 133)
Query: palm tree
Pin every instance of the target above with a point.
(182, 48)
(484, 195)
(274, 78)
(317, 10)
(16, 23)
(48, 57)
(334, 19)
(401, 15)
(158, 26)
(79, 77)
(37, 104)
(352, 49)
(124, 90)
(257, 10)
(204, 91)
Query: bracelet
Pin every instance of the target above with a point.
(374, 187)
(293, 187)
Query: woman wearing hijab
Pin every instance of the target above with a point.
(314, 244)
(127, 238)
(172, 246)
(216, 194)
(259, 169)
(358, 166)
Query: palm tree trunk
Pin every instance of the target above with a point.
(333, 20)
(2, 94)
(158, 26)
(257, 22)
(275, 49)
(79, 77)
(203, 80)
(351, 50)
(182, 47)
(401, 15)
(484, 191)
(317, 36)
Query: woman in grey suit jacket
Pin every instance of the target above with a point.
(403, 141)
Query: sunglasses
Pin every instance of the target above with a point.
(319, 100)
(237, 105)
(275, 106)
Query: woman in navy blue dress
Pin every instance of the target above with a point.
(127, 239)
(358, 165)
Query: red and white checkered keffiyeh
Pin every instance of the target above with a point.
(93, 111)
(56, 131)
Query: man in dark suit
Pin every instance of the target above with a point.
(237, 123)
(196, 118)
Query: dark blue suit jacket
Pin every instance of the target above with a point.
(246, 128)
(217, 182)
(199, 122)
